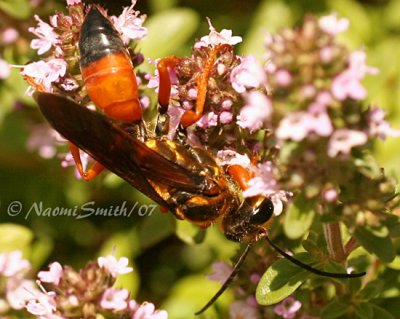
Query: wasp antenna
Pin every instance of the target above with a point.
(228, 281)
(311, 269)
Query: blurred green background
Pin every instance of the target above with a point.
(170, 265)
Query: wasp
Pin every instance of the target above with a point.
(182, 178)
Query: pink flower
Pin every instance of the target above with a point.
(221, 271)
(10, 35)
(115, 299)
(330, 195)
(11, 263)
(129, 24)
(20, 292)
(248, 74)
(225, 117)
(47, 36)
(229, 157)
(208, 120)
(257, 110)
(43, 304)
(347, 84)
(73, 2)
(288, 308)
(113, 266)
(242, 310)
(45, 73)
(215, 38)
(5, 69)
(293, 127)
(147, 311)
(332, 25)
(283, 78)
(298, 125)
(44, 140)
(343, 140)
(53, 275)
(377, 126)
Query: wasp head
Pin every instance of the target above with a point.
(250, 221)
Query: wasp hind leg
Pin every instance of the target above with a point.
(92, 172)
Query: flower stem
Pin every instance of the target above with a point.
(333, 237)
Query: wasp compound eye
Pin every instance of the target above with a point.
(262, 212)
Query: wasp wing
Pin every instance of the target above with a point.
(115, 148)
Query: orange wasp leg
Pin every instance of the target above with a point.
(92, 172)
(164, 90)
(189, 117)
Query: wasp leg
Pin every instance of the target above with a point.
(164, 90)
(190, 117)
(240, 175)
(92, 172)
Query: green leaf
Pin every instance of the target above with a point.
(335, 309)
(395, 264)
(381, 313)
(189, 233)
(279, 281)
(299, 217)
(191, 293)
(380, 246)
(155, 228)
(20, 9)
(364, 311)
(372, 290)
(167, 31)
(14, 237)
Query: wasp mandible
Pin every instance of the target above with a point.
(185, 179)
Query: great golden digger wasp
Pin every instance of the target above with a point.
(178, 176)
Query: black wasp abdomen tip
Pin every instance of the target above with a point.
(98, 38)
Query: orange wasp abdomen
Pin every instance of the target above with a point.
(107, 69)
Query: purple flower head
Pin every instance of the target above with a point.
(378, 127)
(53, 275)
(216, 38)
(115, 299)
(333, 25)
(44, 73)
(288, 308)
(256, 112)
(47, 36)
(113, 266)
(129, 24)
(347, 84)
(343, 140)
(242, 310)
(248, 74)
(298, 125)
(221, 271)
(208, 120)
